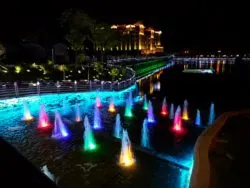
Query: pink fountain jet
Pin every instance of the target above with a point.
(43, 122)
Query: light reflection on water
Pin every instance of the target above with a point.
(218, 66)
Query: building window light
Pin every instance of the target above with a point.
(114, 27)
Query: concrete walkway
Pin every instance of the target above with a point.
(213, 156)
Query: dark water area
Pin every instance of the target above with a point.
(169, 160)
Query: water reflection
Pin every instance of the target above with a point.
(217, 66)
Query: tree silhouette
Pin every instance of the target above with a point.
(78, 29)
(104, 38)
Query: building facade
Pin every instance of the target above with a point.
(137, 37)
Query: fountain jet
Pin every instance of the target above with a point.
(97, 119)
(145, 103)
(211, 115)
(60, 130)
(26, 113)
(164, 108)
(185, 111)
(43, 121)
(198, 118)
(118, 128)
(145, 135)
(89, 141)
(98, 103)
(78, 114)
(151, 118)
(128, 109)
(130, 98)
(177, 127)
(111, 105)
(65, 110)
(171, 115)
(126, 156)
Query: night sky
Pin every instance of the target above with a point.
(199, 26)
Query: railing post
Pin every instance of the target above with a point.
(58, 87)
(16, 89)
(90, 85)
(102, 85)
(38, 87)
(111, 86)
(75, 85)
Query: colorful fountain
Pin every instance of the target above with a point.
(130, 98)
(78, 114)
(198, 118)
(43, 122)
(145, 103)
(89, 141)
(59, 130)
(118, 128)
(128, 109)
(111, 105)
(65, 110)
(171, 115)
(211, 115)
(185, 110)
(126, 156)
(97, 119)
(98, 103)
(164, 108)
(177, 127)
(151, 118)
(26, 113)
(145, 135)
(136, 90)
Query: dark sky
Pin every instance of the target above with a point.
(197, 25)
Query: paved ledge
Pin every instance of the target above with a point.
(16, 171)
(202, 174)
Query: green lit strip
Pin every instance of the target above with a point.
(150, 67)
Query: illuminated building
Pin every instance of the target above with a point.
(137, 37)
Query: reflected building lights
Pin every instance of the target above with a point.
(218, 67)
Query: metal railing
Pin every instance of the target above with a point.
(12, 90)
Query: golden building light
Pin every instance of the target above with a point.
(137, 37)
(114, 27)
